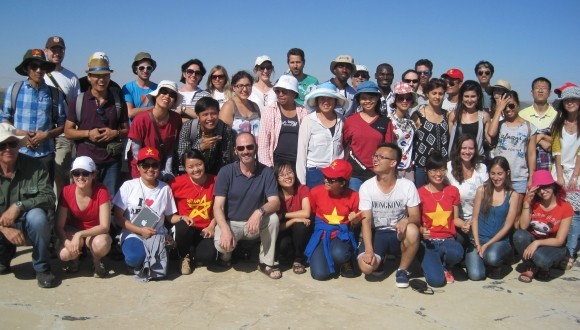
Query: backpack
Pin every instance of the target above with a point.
(79, 105)
(53, 95)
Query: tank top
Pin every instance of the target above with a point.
(491, 224)
(246, 124)
(429, 137)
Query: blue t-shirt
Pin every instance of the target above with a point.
(137, 95)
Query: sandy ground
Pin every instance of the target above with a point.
(243, 298)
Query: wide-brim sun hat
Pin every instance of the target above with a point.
(560, 89)
(287, 82)
(34, 55)
(501, 85)
(8, 131)
(310, 99)
(99, 66)
(403, 88)
(84, 163)
(542, 178)
(169, 85)
(570, 93)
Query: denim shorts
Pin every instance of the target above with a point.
(520, 186)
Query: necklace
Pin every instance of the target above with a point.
(431, 191)
(198, 188)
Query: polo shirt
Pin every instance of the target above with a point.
(244, 194)
(542, 122)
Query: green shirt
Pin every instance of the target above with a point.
(30, 185)
(304, 87)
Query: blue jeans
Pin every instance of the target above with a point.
(384, 241)
(355, 183)
(134, 252)
(340, 251)
(572, 240)
(35, 227)
(314, 177)
(544, 257)
(420, 177)
(109, 172)
(436, 256)
(495, 255)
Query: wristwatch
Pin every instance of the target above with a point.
(19, 205)
(262, 210)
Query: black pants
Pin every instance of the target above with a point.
(187, 237)
(292, 242)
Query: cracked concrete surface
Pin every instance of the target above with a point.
(243, 298)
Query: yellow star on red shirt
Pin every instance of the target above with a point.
(334, 218)
(439, 217)
(199, 207)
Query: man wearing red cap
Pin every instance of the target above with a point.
(454, 79)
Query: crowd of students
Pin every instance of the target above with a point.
(330, 177)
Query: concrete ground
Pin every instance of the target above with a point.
(243, 298)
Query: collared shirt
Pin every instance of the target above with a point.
(30, 185)
(349, 93)
(304, 87)
(33, 112)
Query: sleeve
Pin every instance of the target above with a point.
(266, 127)
(137, 131)
(7, 107)
(271, 188)
(390, 134)
(45, 197)
(170, 208)
(568, 211)
(556, 146)
(347, 132)
(355, 202)
(184, 142)
(103, 195)
(313, 197)
(413, 195)
(365, 202)
(127, 95)
(119, 199)
(71, 114)
(222, 182)
(303, 137)
(456, 198)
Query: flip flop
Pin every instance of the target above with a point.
(527, 276)
(298, 268)
(270, 271)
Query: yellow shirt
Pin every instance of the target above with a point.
(543, 122)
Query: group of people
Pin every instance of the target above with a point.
(331, 176)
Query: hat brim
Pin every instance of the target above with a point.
(334, 63)
(311, 101)
(152, 95)
(99, 71)
(21, 69)
(21, 140)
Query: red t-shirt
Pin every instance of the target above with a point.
(193, 200)
(143, 130)
(333, 210)
(437, 211)
(363, 137)
(89, 217)
(545, 224)
(294, 203)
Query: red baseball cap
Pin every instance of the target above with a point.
(559, 90)
(148, 152)
(339, 168)
(453, 74)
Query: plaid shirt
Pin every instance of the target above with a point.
(33, 112)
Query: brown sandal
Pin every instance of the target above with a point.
(272, 272)
(298, 268)
(527, 276)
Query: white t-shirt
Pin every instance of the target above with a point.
(467, 189)
(264, 101)
(448, 105)
(134, 194)
(220, 97)
(68, 82)
(389, 208)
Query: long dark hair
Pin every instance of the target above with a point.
(467, 86)
(488, 185)
(561, 117)
(456, 163)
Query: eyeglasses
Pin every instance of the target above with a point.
(361, 75)
(483, 73)
(169, 92)
(511, 106)
(333, 180)
(265, 67)
(403, 98)
(147, 165)
(218, 76)
(8, 145)
(424, 73)
(281, 91)
(408, 81)
(102, 114)
(249, 147)
(248, 86)
(286, 174)
(381, 157)
(540, 89)
(35, 66)
(78, 173)
(143, 68)
(437, 171)
(190, 72)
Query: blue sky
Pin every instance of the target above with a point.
(523, 40)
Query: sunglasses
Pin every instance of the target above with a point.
(78, 173)
(169, 92)
(35, 66)
(218, 76)
(408, 81)
(190, 72)
(361, 75)
(511, 106)
(281, 91)
(451, 83)
(8, 145)
(420, 286)
(143, 68)
(483, 73)
(249, 147)
(102, 114)
(545, 187)
(424, 73)
(146, 165)
(266, 67)
(404, 97)
(333, 180)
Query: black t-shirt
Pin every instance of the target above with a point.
(288, 140)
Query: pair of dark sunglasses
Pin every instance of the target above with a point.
(420, 286)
